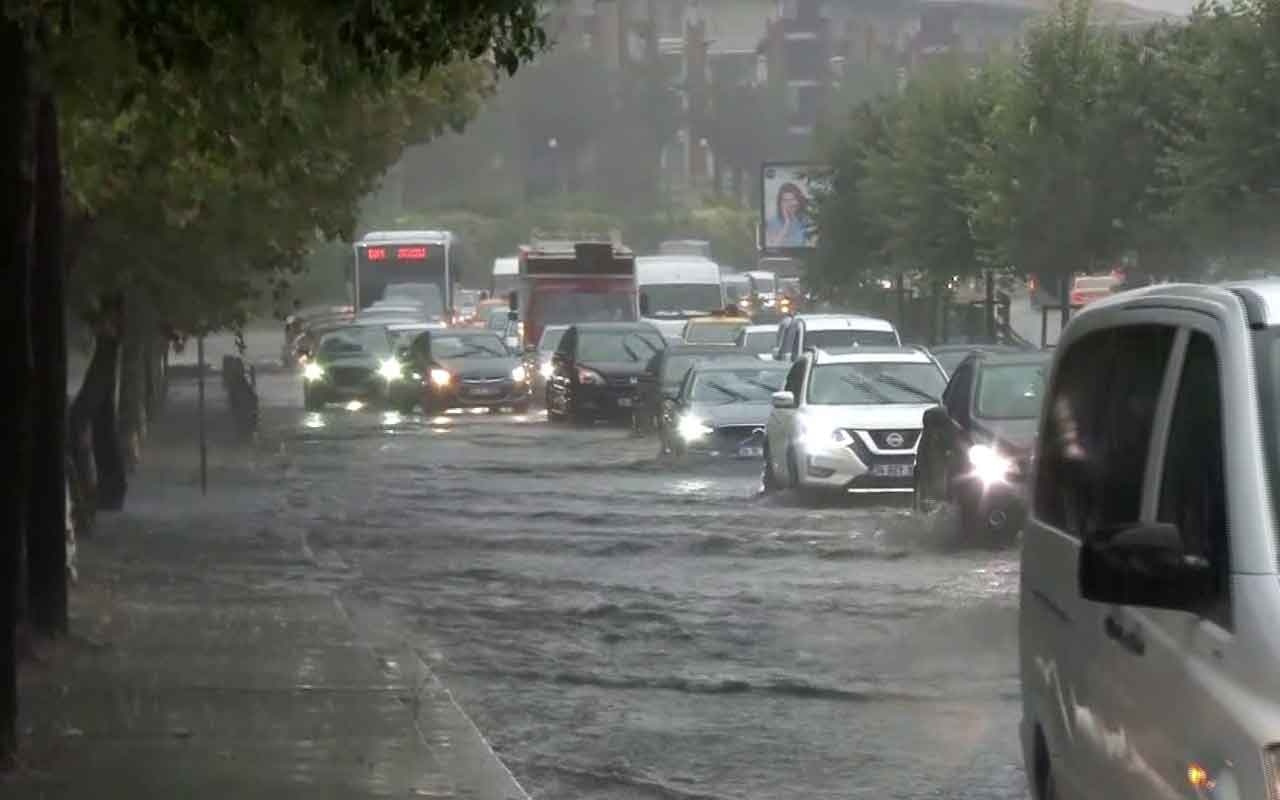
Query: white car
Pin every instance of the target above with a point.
(851, 421)
(1150, 592)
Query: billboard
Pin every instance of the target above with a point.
(787, 212)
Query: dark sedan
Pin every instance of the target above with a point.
(350, 363)
(660, 382)
(722, 408)
(469, 368)
(976, 446)
(950, 355)
(596, 370)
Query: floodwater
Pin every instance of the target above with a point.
(621, 627)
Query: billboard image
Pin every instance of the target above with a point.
(786, 217)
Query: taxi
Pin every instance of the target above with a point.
(719, 327)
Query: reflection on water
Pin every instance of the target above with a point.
(355, 405)
(391, 418)
(313, 420)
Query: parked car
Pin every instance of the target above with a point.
(975, 448)
(1150, 586)
(851, 422)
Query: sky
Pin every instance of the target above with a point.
(1179, 6)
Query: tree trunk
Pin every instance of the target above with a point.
(47, 520)
(16, 228)
(108, 455)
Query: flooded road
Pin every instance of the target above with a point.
(624, 628)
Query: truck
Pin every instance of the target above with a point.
(412, 263)
(563, 281)
(506, 275)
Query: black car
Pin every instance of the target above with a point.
(722, 408)
(596, 370)
(660, 382)
(975, 448)
(352, 362)
(950, 355)
(468, 368)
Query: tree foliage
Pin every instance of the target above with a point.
(1089, 146)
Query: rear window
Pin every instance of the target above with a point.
(1010, 391)
(712, 333)
(838, 339)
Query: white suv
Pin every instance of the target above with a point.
(1150, 601)
(851, 421)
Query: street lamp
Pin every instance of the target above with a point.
(553, 143)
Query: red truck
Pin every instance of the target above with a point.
(566, 281)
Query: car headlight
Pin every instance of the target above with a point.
(519, 374)
(989, 465)
(441, 377)
(822, 437)
(692, 428)
(391, 369)
(546, 370)
(311, 371)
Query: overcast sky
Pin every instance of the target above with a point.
(1180, 6)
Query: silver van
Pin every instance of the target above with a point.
(1150, 599)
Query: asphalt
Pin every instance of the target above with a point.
(212, 656)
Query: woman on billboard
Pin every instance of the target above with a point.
(789, 226)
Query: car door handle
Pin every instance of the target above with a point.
(1128, 638)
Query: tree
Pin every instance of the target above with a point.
(195, 94)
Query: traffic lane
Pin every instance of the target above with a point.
(615, 622)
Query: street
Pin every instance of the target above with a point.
(620, 627)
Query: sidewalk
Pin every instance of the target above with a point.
(211, 657)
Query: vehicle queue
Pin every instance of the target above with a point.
(823, 402)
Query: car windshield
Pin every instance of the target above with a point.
(756, 342)
(712, 332)
(674, 300)
(876, 383)
(618, 346)
(722, 385)
(848, 338)
(1010, 391)
(551, 339)
(467, 345)
(354, 342)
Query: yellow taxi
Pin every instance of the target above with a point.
(720, 327)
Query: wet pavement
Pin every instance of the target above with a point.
(622, 627)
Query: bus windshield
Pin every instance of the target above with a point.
(675, 300)
(382, 266)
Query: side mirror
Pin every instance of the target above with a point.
(513, 301)
(1143, 565)
(784, 400)
(644, 304)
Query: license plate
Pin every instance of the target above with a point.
(891, 470)
(625, 402)
(485, 391)
(750, 452)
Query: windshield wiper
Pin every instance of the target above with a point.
(909, 388)
(865, 385)
(738, 398)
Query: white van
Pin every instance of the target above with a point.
(674, 289)
(1150, 600)
(832, 332)
(506, 276)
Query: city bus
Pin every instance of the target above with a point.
(418, 264)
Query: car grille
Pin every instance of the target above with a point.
(743, 435)
(478, 381)
(881, 438)
(869, 458)
(350, 376)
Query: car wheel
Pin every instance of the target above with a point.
(770, 478)
(922, 499)
(793, 471)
